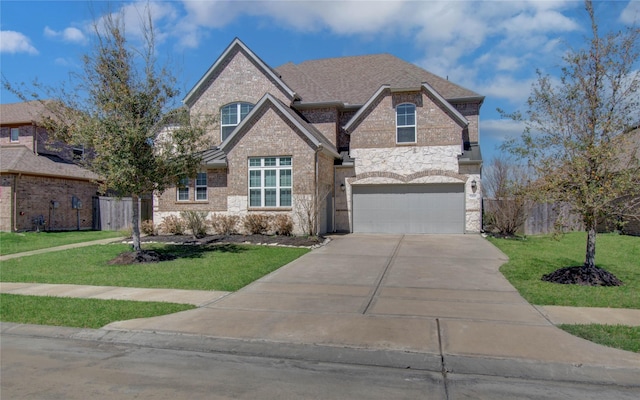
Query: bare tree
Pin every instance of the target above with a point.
(505, 208)
(575, 131)
(308, 206)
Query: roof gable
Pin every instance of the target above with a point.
(22, 113)
(385, 90)
(235, 46)
(308, 130)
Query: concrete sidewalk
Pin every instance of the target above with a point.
(60, 248)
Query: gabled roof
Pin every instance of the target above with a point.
(385, 89)
(235, 46)
(353, 80)
(21, 160)
(217, 157)
(22, 113)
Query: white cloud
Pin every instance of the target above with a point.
(507, 87)
(501, 130)
(631, 14)
(15, 42)
(70, 35)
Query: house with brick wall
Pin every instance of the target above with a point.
(374, 143)
(41, 188)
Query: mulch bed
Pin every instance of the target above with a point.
(151, 256)
(582, 276)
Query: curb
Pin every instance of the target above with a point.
(446, 364)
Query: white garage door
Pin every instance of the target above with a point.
(432, 208)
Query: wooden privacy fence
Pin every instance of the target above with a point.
(114, 214)
(543, 218)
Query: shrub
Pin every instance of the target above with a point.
(148, 228)
(196, 221)
(224, 224)
(283, 225)
(173, 225)
(256, 223)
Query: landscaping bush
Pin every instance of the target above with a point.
(148, 228)
(257, 224)
(173, 225)
(283, 225)
(224, 224)
(196, 222)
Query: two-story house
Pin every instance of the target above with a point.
(383, 145)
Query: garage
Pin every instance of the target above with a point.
(430, 208)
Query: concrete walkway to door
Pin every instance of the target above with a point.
(437, 296)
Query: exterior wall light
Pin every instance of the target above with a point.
(342, 187)
(474, 184)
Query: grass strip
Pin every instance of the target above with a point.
(617, 336)
(532, 257)
(79, 313)
(218, 267)
(11, 243)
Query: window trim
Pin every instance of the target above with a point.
(200, 186)
(414, 125)
(182, 187)
(277, 168)
(17, 130)
(239, 117)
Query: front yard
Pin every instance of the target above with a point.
(532, 257)
(225, 267)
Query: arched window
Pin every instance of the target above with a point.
(406, 123)
(231, 115)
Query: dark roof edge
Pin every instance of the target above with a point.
(362, 109)
(467, 99)
(455, 113)
(50, 175)
(189, 98)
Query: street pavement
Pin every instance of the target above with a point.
(427, 302)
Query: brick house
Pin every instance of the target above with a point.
(40, 186)
(381, 144)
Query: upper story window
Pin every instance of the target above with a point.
(270, 182)
(231, 115)
(406, 123)
(78, 152)
(15, 134)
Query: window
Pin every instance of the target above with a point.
(270, 182)
(78, 152)
(15, 134)
(183, 189)
(201, 186)
(406, 123)
(231, 115)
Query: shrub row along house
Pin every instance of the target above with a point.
(353, 144)
(40, 186)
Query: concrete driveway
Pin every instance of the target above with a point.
(438, 296)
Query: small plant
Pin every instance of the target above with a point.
(257, 224)
(196, 221)
(224, 224)
(148, 228)
(173, 225)
(283, 225)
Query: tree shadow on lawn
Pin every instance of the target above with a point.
(172, 252)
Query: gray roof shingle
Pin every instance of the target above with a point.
(20, 113)
(19, 159)
(353, 80)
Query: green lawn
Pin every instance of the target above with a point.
(11, 243)
(532, 257)
(618, 336)
(79, 313)
(222, 267)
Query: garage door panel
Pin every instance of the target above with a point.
(433, 208)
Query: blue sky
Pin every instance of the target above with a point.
(491, 47)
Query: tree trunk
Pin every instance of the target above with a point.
(135, 220)
(590, 258)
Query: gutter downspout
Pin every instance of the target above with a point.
(316, 210)
(15, 202)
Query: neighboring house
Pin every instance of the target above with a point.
(40, 188)
(383, 145)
